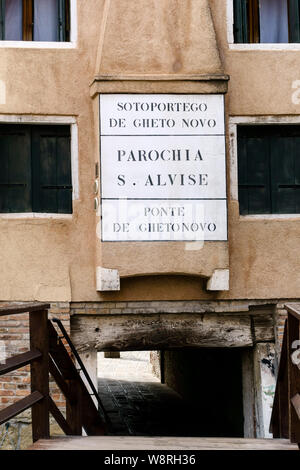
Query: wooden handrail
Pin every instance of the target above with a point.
(16, 308)
(81, 365)
(47, 354)
(285, 421)
(81, 409)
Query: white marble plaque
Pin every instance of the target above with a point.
(163, 172)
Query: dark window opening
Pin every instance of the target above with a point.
(266, 21)
(35, 169)
(35, 20)
(269, 169)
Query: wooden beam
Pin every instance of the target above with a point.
(160, 331)
(293, 309)
(59, 418)
(191, 444)
(296, 404)
(21, 360)
(22, 405)
(15, 308)
(40, 373)
(263, 327)
(75, 411)
(60, 381)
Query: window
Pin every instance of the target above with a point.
(35, 20)
(266, 21)
(269, 169)
(35, 169)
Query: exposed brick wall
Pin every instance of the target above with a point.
(281, 316)
(189, 306)
(14, 332)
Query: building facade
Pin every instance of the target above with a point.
(149, 185)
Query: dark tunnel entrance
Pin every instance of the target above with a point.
(179, 392)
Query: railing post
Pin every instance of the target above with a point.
(293, 379)
(74, 411)
(39, 339)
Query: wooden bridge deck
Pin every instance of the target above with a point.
(160, 443)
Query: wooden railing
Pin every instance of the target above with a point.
(285, 421)
(48, 354)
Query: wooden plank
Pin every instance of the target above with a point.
(40, 373)
(296, 404)
(284, 354)
(60, 381)
(59, 418)
(161, 443)
(293, 379)
(160, 331)
(293, 309)
(21, 360)
(263, 326)
(283, 405)
(279, 426)
(15, 308)
(22, 405)
(75, 411)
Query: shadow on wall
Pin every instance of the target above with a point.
(210, 381)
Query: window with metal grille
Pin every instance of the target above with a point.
(35, 20)
(269, 169)
(266, 21)
(35, 169)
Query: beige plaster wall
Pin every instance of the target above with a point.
(55, 260)
(163, 37)
(45, 258)
(263, 252)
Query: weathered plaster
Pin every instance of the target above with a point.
(265, 382)
(219, 281)
(161, 36)
(56, 259)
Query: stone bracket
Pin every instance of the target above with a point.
(219, 281)
(107, 279)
